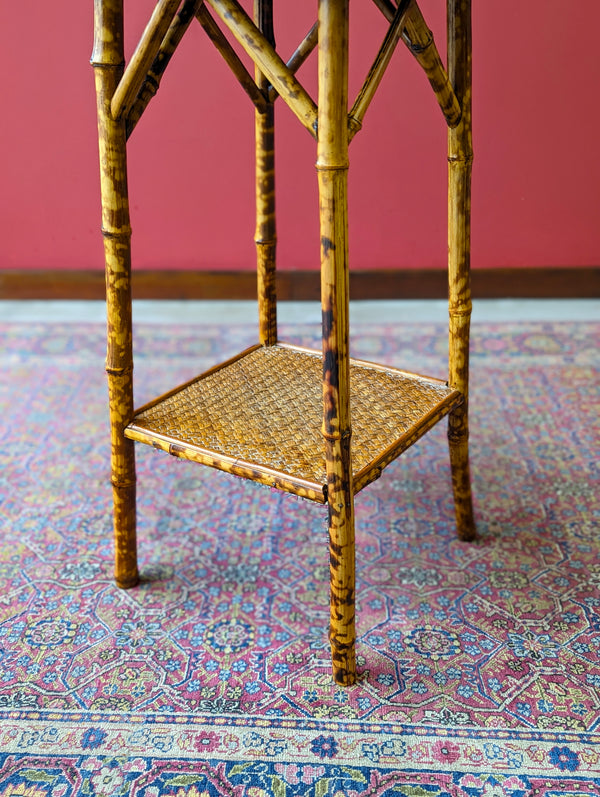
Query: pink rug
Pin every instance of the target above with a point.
(479, 663)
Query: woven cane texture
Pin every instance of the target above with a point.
(266, 409)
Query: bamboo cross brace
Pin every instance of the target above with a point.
(143, 57)
(387, 8)
(151, 84)
(268, 61)
(231, 58)
(300, 54)
(304, 49)
(377, 71)
(420, 42)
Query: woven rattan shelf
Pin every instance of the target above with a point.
(259, 415)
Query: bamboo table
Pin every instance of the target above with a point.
(318, 424)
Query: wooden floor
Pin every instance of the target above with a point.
(492, 283)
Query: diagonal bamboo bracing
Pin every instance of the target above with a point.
(300, 54)
(420, 42)
(268, 61)
(151, 84)
(232, 59)
(141, 61)
(377, 71)
(304, 49)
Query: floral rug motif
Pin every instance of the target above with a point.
(479, 663)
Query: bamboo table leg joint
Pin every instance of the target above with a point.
(318, 424)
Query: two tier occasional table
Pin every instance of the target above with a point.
(318, 424)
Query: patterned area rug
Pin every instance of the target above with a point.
(479, 662)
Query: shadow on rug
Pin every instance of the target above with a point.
(479, 662)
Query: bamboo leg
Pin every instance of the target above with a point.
(265, 237)
(107, 59)
(460, 157)
(332, 166)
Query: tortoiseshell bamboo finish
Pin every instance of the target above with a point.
(377, 71)
(107, 59)
(141, 61)
(231, 58)
(420, 42)
(262, 412)
(267, 60)
(266, 236)
(460, 159)
(151, 83)
(332, 169)
(419, 39)
(277, 413)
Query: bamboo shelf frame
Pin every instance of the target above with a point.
(318, 424)
(258, 415)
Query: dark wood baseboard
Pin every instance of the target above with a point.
(492, 283)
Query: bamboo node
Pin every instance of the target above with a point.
(123, 233)
(461, 312)
(467, 159)
(106, 64)
(122, 484)
(354, 125)
(459, 436)
(335, 436)
(414, 47)
(151, 83)
(112, 371)
(342, 166)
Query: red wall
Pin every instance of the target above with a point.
(536, 175)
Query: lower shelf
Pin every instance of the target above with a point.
(259, 416)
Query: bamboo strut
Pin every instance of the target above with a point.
(304, 49)
(377, 71)
(420, 42)
(107, 60)
(387, 8)
(232, 59)
(143, 57)
(332, 166)
(460, 158)
(151, 84)
(267, 60)
(299, 56)
(265, 236)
